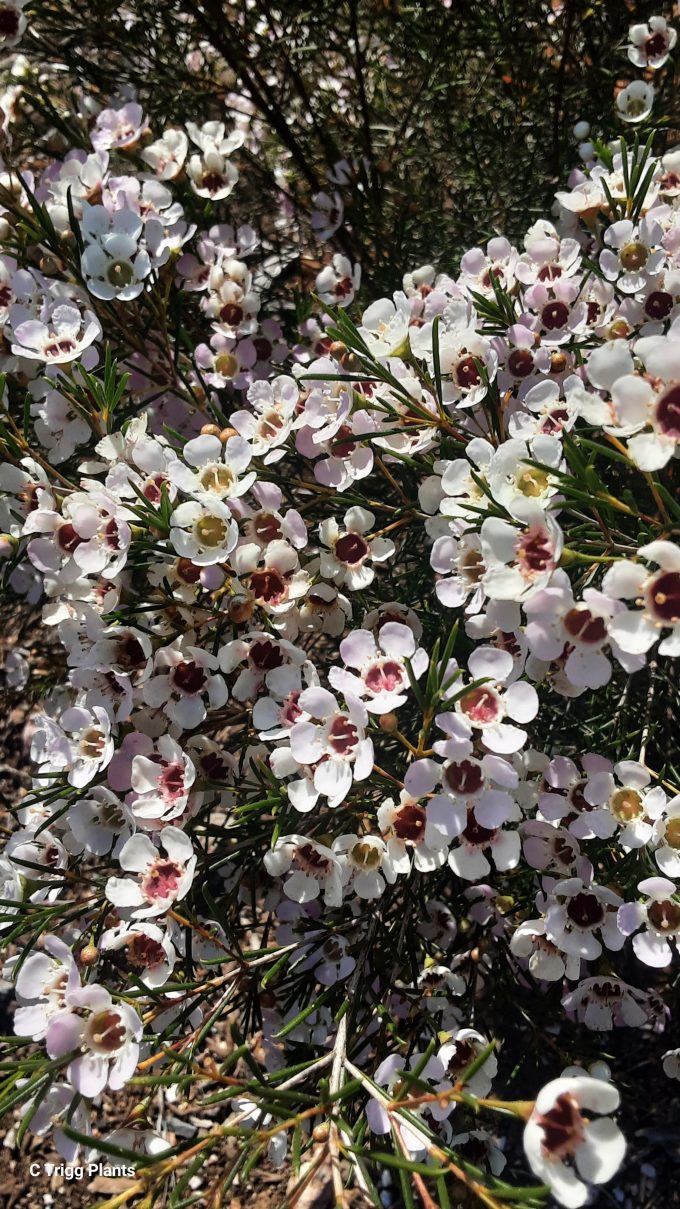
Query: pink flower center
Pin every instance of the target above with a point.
(162, 880)
(384, 677)
(481, 706)
(171, 782)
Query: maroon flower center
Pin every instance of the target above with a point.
(171, 782)
(231, 314)
(268, 585)
(655, 45)
(187, 571)
(659, 304)
(342, 735)
(562, 1126)
(534, 550)
(351, 549)
(467, 373)
(474, 833)
(583, 626)
(129, 653)
(667, 412)
(57, 348)
(9, 22)
(266, 527)
(212, 182)
(409, 824)
(520, 362)
(265, 656)
(464, 778)
(585, 910)
(555, 315)
(144, 952)
(67, 538)
(549, 272)
(664, 915)
(189, 677)
(664, 596)
(308, 857)
(106, 1031)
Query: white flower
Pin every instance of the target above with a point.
(144, 948)
(635, 102)
(339, 281)
(650, 44)
(576, 911)
(160, 880)
(107, 1034)
(313, 868)
(167, 155)
(604, 1002)
(666, 838)
(381, 675)
(114, 263)
(519, 560)
(62, 335)
(545, 960)
(636, 630)
(333, 740)
(184, 676)
(118, 127)
(658, 917)
(327, 214)
(211, 173)
(485, 706)
(385, 324)
(562, 1143)
(350, 552)
(366, 864)
(203, 531)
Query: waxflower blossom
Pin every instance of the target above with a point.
(654, 923)
(107, 1033)
(161, 879)
(651, 44)
(350, 551)
(312, 869)
(565, 1146)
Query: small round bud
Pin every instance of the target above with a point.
(337, 349)
(600, 1070)
(320, 1132)
(210, 430)
(581, 130)
(226, 434)
(388, 723)
(586, 151)
(88, 955)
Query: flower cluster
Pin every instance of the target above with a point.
(363, 632)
